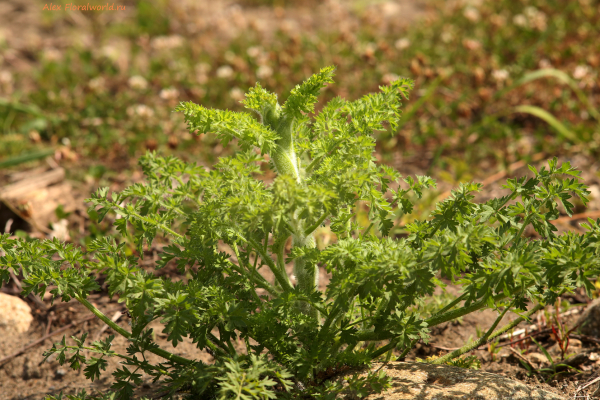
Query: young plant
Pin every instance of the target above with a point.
(493, 349)
(553, 369)
(302, 336)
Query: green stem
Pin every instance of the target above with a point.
(254, 295)
(148, 221)
(335, 310)
(159, 352)
(518, 235)
(311, 229)
(114, 353)
(470, 346)
(452, 304)
(283, 280)
(257, 279)
(451, 315)
(278, 248)
(367, 230)
(407, 349)
(434, 320)
(488, 336)
(289, 228)
(388, 347)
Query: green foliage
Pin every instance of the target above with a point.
(464, 361)
(379, 283)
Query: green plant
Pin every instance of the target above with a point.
(324, 170)
(554, 369)
(464, 361)
(560, 332)
(493, 349)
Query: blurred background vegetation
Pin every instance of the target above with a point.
(497, 82)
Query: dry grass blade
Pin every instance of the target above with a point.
(550, 119)
(563, 77)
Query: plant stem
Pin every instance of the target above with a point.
(278, 248)
(311, 229)
(335, 310)
(434, 320)
(124, 357)
(450, 315)
(452, 304)
(366, 231)
(256, 278)
(407, 349)
(254, 295)
(159, 352)
(212, 343)
(388, 347)
(518, 235)
(161, 226)
(283, 280)
(470, 346)
(488, 336)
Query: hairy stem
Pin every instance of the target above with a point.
(256, 278)
(281, 278)
(312, 228)
(452, 304)
(254, 295)
(388, 347)
(286, 163)
(488, 336)
(159, 352)
(370, 335)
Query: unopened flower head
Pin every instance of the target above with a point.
(225, 72)
(166, 42)
(97, 84)
(253, 51)
(140, 110)
(520, 20)
(137, 82)
(264, 71)
(500, 75)
(581, 71)
(472, 14)
(402, 43)
(169, 93)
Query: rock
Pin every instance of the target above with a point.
(34, 196)
(537, 358)
(442, 382)
(589, 321)
(31, 370)
(60, 373)
(15, 314)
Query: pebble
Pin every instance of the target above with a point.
(15, 314)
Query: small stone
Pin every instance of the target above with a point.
(537, 358)
(31, 370)
(60, 372)
(15, 314)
